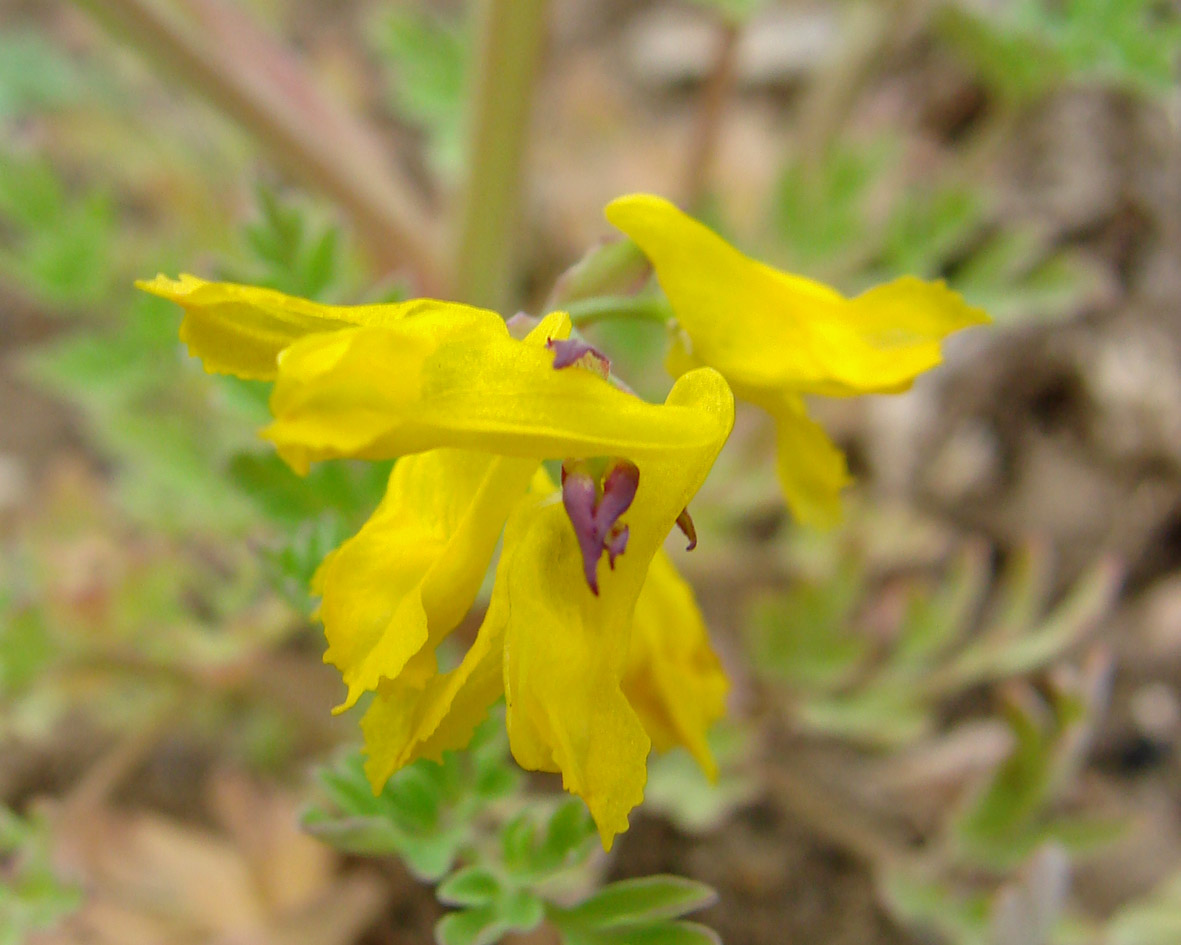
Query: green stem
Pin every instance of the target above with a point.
(649, 306)
(511, 35)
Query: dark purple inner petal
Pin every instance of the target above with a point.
(595, 515)
(619, 489)
(569, 352)
(579, 498)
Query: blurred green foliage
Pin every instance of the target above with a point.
(856, 219)
(678, 789)
(173, 617)
(505, 858)
(58, 247)
(35, 74)
(844, 684)
(427, 60)
(32, 897)
(1024, 48)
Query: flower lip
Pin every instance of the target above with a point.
(595, 510)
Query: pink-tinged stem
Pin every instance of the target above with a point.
(218, 51)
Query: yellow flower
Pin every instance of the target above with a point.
(776, 337)
(570, 640)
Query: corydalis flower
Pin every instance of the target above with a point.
(472, 411)
(776, 337)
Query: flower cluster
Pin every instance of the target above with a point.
(776, 337)
(591, 636)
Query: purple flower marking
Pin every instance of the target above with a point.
(571, 352)
(595, 516)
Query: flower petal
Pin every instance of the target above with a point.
(812, 471)
(406, 579)
(427, 382)
(413, 570)
(240, 330)
(763, 328)
(409, 720)
(674, 680)
(423, 713)
(566, 650)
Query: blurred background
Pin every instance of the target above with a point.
(954, 719)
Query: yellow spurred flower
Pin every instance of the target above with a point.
(776, 337)
(596, 659)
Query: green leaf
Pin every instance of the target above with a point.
(881, 713)
(32, 897)
(521, 911)
(640, 900)
(1024, 48)
(821, 213)
(803, 635)
(926, 902)
(935, 621)
(480, 926)
(516, 843)
(470, 886)
(59, 245)
(428, 62)
(928, 226)
(657, 933)
(291, 248)
(567, 834)
(678, 789)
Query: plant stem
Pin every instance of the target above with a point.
(712, 110)
(649, 306)
(220, 53)
(511, 35)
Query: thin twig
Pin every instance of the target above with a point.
(220, 53)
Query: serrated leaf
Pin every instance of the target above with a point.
(821, 212)
(428, 58)
(640, 900)
(430, 858)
